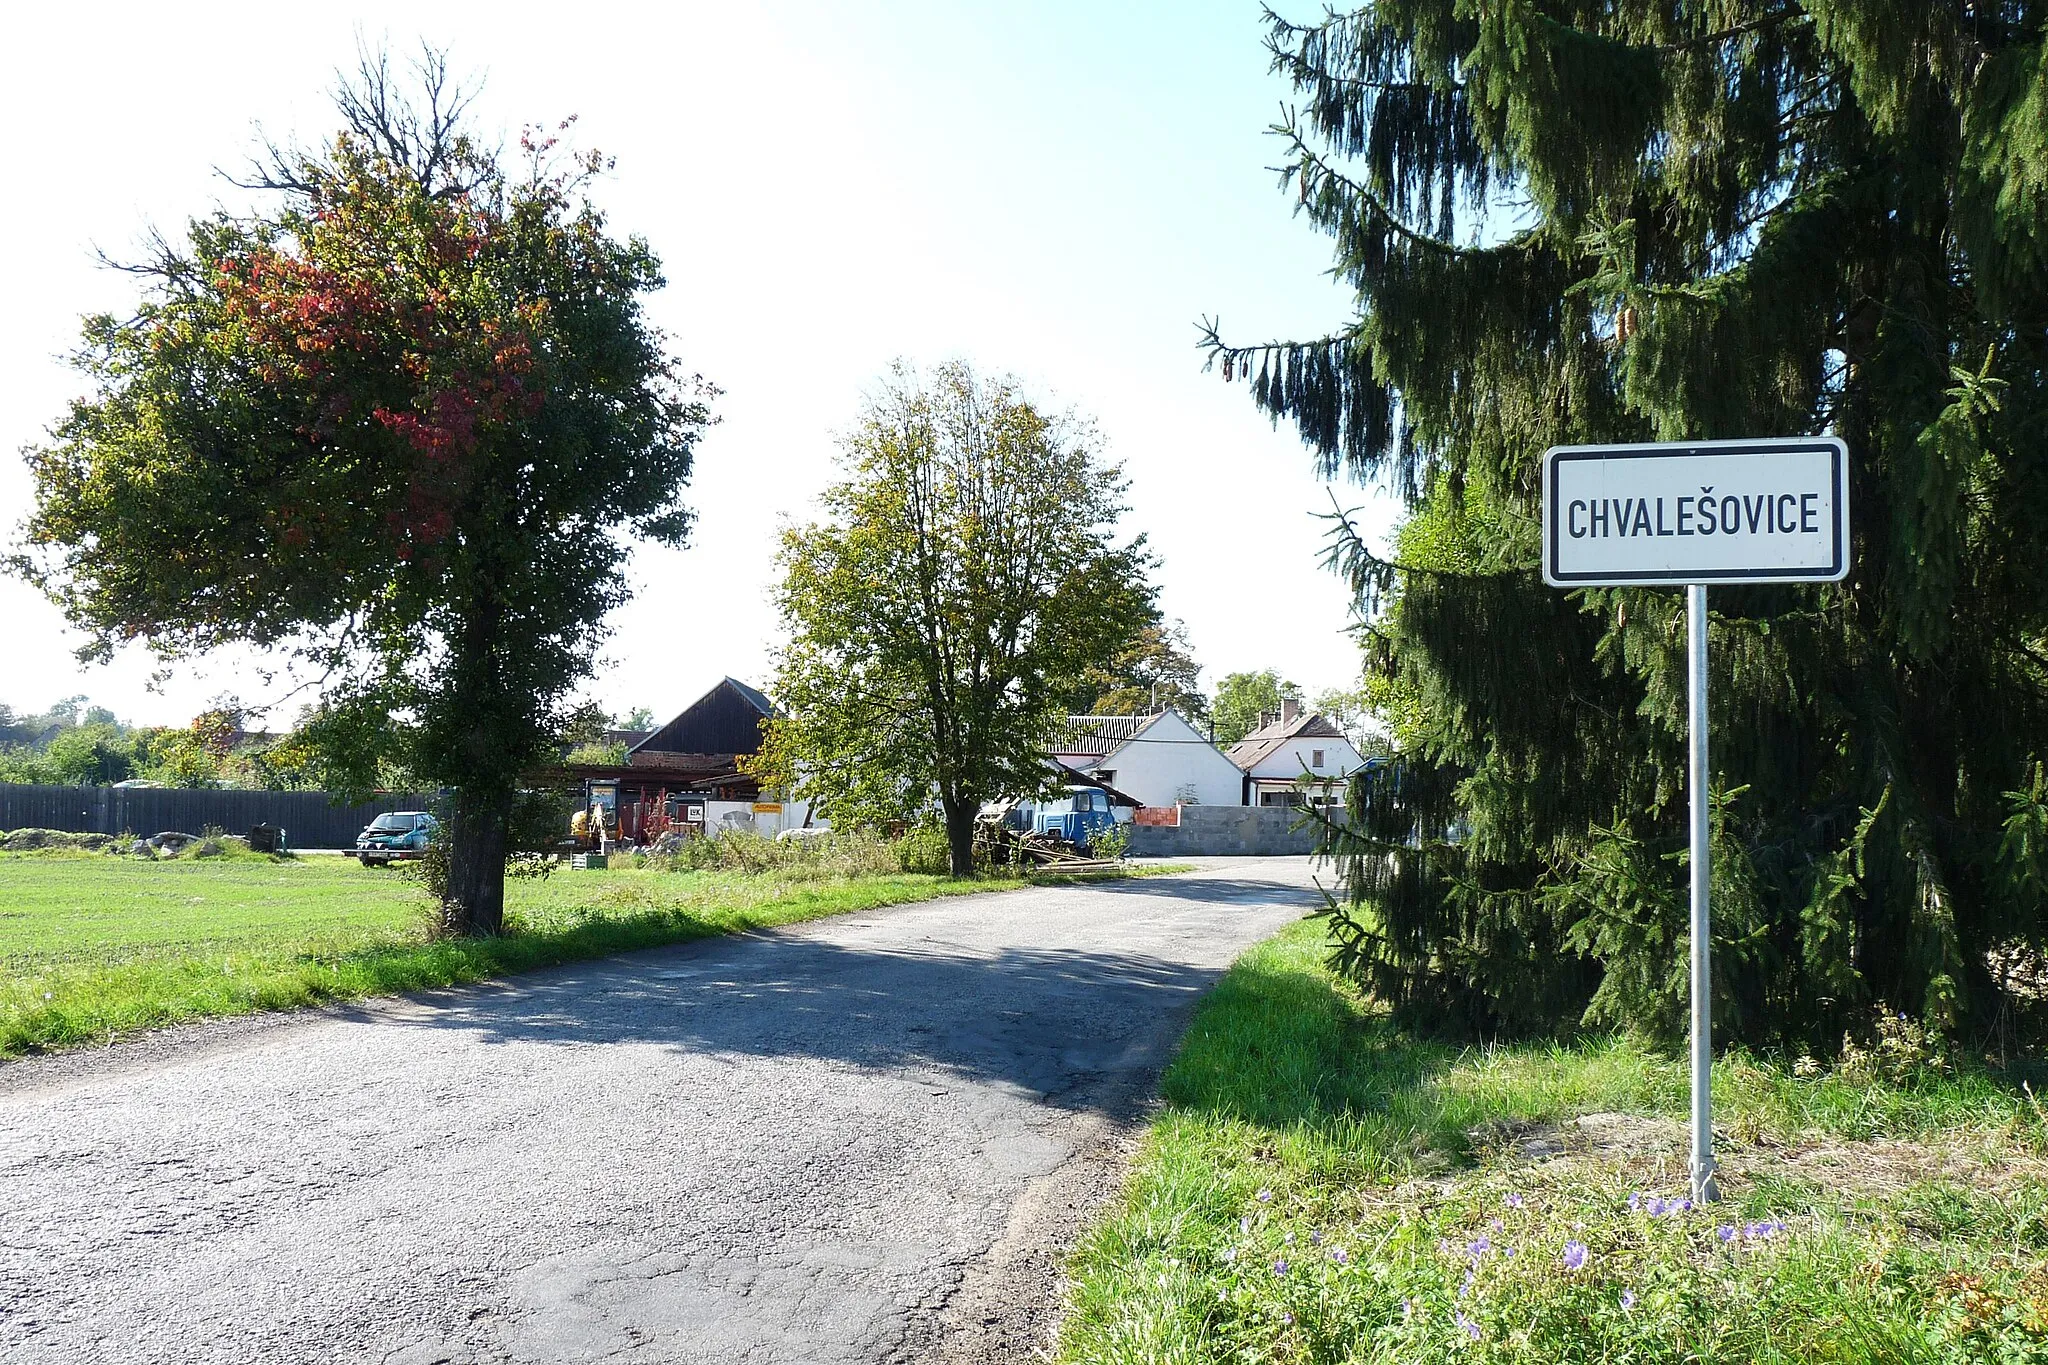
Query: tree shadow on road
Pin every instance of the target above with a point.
(1079, 1028)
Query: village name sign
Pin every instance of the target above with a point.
(1691, 513)
(1711, 512)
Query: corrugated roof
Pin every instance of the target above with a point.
(1097, 735)
(1262, 743)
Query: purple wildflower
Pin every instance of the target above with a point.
(1726, 1233)
(1287, 1319)
(1515, 1201)
(1244, 1224)
(1315, 1237)
(1288, 1240)
(1465, 1285)
(1654, 1206)
(1628, 1300)
(1684, 1205)
(1575, 1255)
(1635, 1202)
(1339, 1255)
(1479, 1246)
(1280, 1266)
(1407, 1309)
(1471, 1327)
(1230, 1255)
(1495, 1224)
(1265, 1196)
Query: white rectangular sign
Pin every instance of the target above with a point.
(1696, 512)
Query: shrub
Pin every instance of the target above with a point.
(923, 849)
(1112, 843)
(819, 856)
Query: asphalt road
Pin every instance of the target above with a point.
(863, 1140)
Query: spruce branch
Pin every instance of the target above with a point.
(1372, 577)
(1326, 194)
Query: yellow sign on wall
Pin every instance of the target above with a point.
(767, 808)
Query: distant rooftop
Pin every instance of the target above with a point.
(1269, 739)
(1097, 735)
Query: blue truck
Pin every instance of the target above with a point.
(1076, 815)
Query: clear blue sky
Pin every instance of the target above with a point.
(1055, 190)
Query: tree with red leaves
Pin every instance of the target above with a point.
(405, 428)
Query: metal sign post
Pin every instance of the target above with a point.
(1694, 513)
(1704, 1190)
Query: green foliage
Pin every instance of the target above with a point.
(966, 570)
(1112, 843)
(93, 755)
(1322, 1186)
(837, 853)
(923, 848)
(413, 417)
(606, 755)
(1155, 671)
(1242, 698)
(1644, 221)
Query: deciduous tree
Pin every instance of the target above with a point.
(403, 424)
(1242, 698)
(966, 568)
(1157, 670)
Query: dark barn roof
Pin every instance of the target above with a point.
(725, 720)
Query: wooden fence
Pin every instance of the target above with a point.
(309, 819)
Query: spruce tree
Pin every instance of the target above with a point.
(1569, 221)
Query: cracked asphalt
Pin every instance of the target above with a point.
(866, 1139)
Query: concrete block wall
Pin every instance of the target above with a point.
(1219, 831)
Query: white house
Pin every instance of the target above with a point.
(1291, 746)
(1159, 759)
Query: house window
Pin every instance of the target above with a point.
(1315, 758)
(1107, 775)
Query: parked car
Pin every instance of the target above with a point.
(396, 835)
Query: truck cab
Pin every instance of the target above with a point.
(1076, 815)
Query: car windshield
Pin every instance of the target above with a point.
(394, 824)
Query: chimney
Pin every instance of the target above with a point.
(1290, 707)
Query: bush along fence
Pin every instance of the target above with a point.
(309, 819)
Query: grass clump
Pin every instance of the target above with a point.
(1322, 1187)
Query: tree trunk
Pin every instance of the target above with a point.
(960, 835)
(474, 902)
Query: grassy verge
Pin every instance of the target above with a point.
(1323, 1188)
(93, 947)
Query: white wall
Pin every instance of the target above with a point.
(1340, 759)
(1170, 756)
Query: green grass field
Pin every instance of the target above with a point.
(95, 947)
(1322, 1188)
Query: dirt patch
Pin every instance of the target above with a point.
(1008, 1305)
(1605, 1136)
(1654, 1152)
